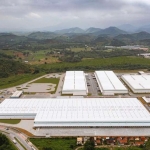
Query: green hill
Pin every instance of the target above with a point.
(133, 37)
(43, 35)
(111, 31)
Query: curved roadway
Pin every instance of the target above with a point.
(23, 139)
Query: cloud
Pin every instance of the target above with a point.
(82, 13)
(33, 15)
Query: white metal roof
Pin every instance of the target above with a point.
(109, 81)
(17, 94)
(80, 110)
(147, 100)
(138, 81)
(74, 80)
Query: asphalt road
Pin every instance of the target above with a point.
(11, 134)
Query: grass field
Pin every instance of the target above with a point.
(47, 80)
(115, 63)
(74, 49)
(17, 80)
(10, 121)
(40, 57)
(55, 143)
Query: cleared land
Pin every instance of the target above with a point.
(49, 80)
(54, 143)
(10, 121)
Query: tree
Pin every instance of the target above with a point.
(47, 148)
(5, 143)
(147, 146)
(89, 145)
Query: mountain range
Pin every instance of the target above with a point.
(110, 36)
(110, 31)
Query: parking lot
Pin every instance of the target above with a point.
(92, 85)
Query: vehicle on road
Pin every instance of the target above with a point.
(14, 141)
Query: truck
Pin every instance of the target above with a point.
(14, 141)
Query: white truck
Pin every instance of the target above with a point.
(14, 141)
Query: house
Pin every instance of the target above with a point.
(79, 141)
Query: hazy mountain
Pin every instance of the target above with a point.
(83, 38)
(70, 30)
(92, 30)
(43, 35)
(127, 27)
(111, 31)
(133, 37)
(145, 28)
(9, 37)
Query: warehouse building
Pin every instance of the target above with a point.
(75, 83)
(109, 83)
(138, 83)
(17, 94)
(81, 112)
(146, 99)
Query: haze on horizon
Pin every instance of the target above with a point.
(52, 14)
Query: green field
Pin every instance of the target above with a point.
(78, 49)
(55, 143)
(10, 121)
(17, 80)
(47, 80)
(115, 63)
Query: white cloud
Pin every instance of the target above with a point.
(34, 15)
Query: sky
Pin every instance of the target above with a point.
(60, 14)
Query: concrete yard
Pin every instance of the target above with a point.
(39, 87)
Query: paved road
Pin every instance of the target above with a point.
(11, 134)
(60, 85)
(11, 138)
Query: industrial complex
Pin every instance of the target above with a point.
(109, 83)
(88, 103)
